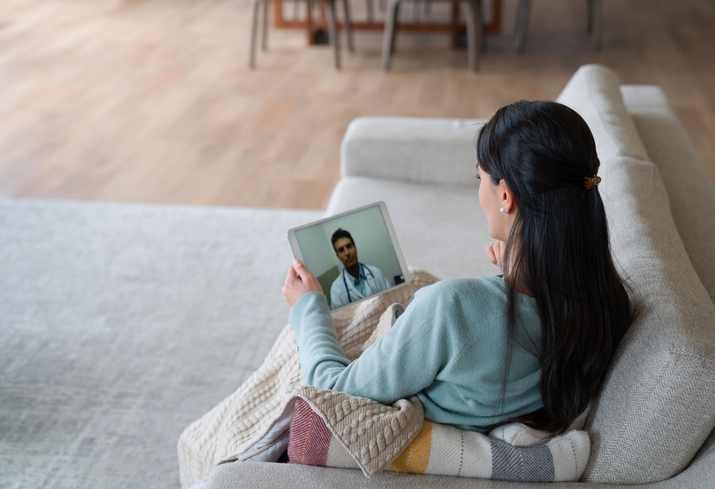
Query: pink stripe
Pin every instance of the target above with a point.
(309, 437)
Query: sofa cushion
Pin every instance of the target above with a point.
(657, 404)
(264, 475)
(440, 151)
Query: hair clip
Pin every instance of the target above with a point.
(592, 182)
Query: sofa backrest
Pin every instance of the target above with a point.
(411, 149)
(657, 404)
(690, 186)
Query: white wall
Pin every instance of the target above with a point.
(318, 254)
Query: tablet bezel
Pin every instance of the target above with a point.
(298, 254)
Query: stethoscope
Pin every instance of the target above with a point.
(345, 282)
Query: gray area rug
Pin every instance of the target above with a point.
(121, 324)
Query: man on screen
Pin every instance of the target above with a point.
(356, 280)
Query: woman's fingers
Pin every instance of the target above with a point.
(299, 282)
(291, 274)
(499, 247)
(300, 269)
(307, 278)
(291, 289)
(495, 252)
(490, 253)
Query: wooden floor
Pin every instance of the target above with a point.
(152, 100)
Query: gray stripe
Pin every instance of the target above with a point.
(526, 464)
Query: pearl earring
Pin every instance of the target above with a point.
(501, 209)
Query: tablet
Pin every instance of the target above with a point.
(354, 255)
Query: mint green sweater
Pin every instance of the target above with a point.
(448, 348)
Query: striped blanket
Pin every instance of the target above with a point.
(337, 430)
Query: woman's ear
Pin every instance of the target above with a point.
(506, 198)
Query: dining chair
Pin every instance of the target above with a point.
(595, 23)
(332, 28)
(475, 32)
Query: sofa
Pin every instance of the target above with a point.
(652, 422)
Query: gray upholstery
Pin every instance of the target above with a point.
(410, 150)
(690, 187)
(266, 475)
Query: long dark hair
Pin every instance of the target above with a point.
(558, 250)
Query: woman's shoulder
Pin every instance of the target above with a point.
(491, 284)
(488, 292)
(480, 289)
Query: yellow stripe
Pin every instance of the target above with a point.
(415, 458)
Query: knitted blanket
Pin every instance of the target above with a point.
(255, 417)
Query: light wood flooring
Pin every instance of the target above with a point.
(153, 101)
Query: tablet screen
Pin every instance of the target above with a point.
(353, 255)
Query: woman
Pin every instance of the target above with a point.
(532, 347)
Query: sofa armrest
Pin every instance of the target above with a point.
(700, 472)
(691, 188)
(264, 475)
(411, 149)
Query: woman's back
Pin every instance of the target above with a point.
(448, 347)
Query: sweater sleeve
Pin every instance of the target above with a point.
(402, 363)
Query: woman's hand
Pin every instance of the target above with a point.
(299, 282)
(495, 253)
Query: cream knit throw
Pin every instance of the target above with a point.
(241, 420)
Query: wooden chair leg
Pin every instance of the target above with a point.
(522, 20)
(264, 37)
(388, 41)
(333, 31)
(595, 22)
(254, 28)
(348, 26)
